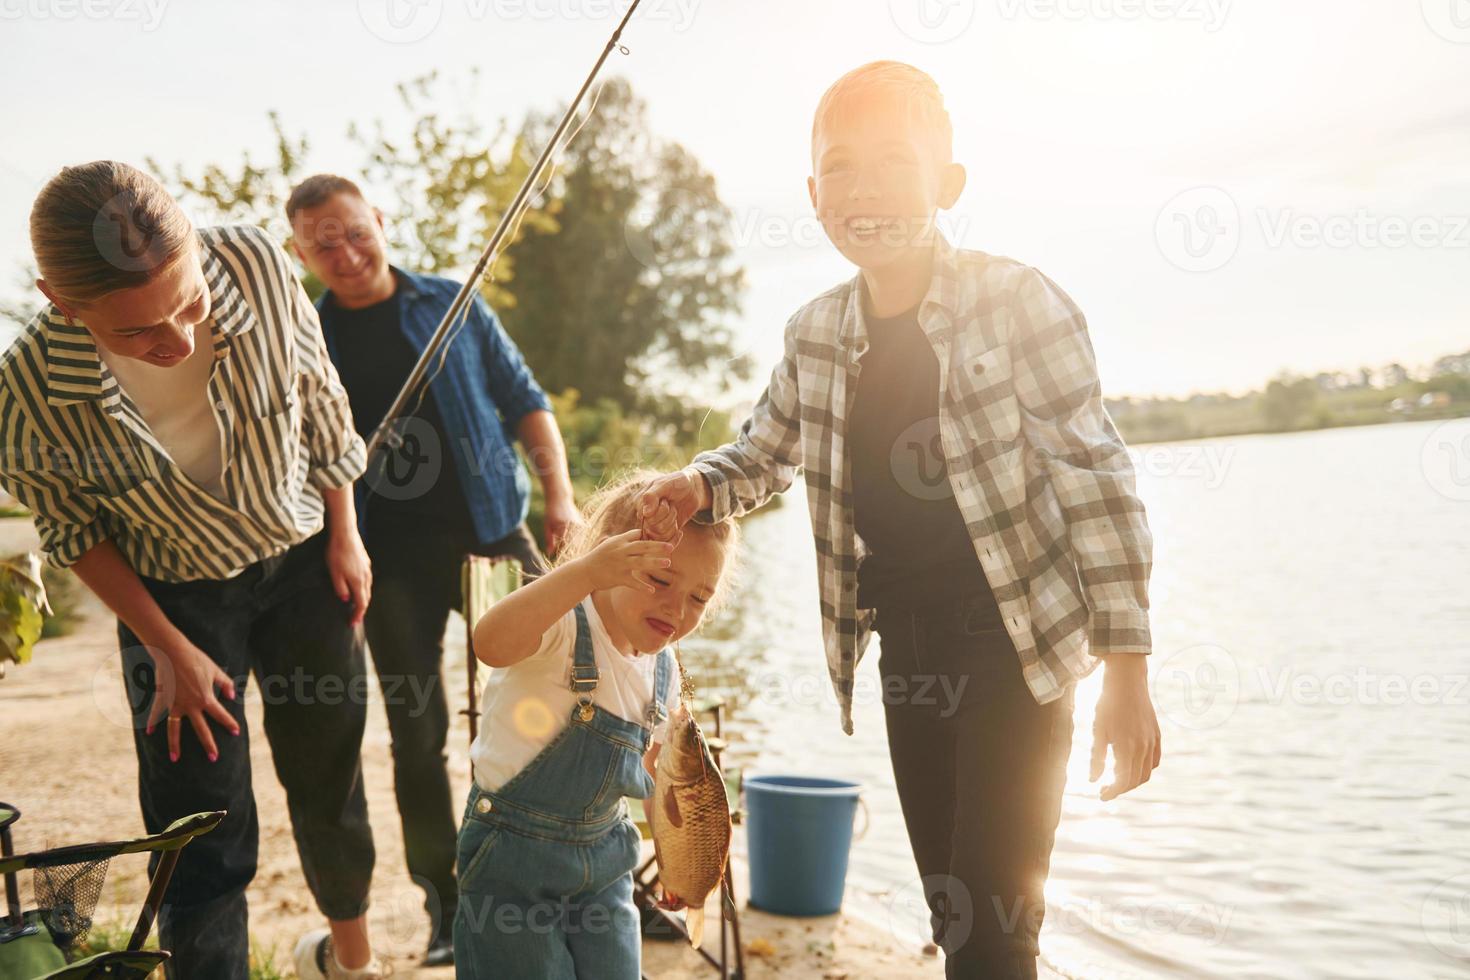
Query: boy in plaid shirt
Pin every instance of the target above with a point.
(972, 503)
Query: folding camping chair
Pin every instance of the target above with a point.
(67, 882)
(645, 878)
(483, 583)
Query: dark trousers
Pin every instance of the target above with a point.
(416, 582)
(980, 768)
(281, 620)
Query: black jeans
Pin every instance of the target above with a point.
(416, 582)
(980, 768)
(281, 620)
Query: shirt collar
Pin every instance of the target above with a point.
(75, 370)
(936, 312)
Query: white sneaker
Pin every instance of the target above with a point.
(315, 960)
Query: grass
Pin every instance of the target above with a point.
(107, 937)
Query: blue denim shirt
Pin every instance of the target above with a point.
(483, 392)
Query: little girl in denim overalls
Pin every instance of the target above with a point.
(573, 715)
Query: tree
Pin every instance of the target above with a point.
(1288, 402)
(638, 278)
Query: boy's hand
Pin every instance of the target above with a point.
(672, 501)
(626, 559)
(1125, 720)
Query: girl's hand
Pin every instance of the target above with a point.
(351, 571)
(626, 559)
(670, 902)
(183, 690)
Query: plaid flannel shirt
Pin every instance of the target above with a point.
(1040, 473)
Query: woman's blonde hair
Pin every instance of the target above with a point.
(617, 507)
(105, 226)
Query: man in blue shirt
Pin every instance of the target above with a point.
(455, 486)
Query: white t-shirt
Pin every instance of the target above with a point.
(527, 705)
(174, 401)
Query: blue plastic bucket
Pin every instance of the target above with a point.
(799, 831)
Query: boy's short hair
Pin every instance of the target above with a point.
(316, 189)
(891, 80)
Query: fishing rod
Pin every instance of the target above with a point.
(508, 221)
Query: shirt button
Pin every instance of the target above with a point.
(482, 805)
(219, 405)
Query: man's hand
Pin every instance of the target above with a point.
(1125, 720)
(184, 681)
(684, 494)
(351, 569)
(561, 516)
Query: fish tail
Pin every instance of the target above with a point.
(694, 922)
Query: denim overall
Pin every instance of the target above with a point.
(546, 861)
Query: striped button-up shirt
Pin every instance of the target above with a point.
(77, 452)
(1042, 478)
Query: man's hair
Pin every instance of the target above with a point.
(890, 81)
(316, 189)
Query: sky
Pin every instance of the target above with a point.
(1228, 188)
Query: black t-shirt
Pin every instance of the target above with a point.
(920, 552)
(374, 359)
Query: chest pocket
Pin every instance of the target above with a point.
(272, 439)
(982, 394)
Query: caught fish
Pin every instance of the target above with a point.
(690, 818)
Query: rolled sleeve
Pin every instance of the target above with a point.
(67, 521)
(1086, 463)
(513, 387)
(766, 454)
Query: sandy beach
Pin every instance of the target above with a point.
(70, 768)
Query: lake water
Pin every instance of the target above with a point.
(1311, 612)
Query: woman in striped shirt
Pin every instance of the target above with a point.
(173, 422)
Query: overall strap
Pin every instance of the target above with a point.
(584, 667)
(663, 676)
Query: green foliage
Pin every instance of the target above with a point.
(22, 608)
(639, 277)
(111, 937)
(1288, 402)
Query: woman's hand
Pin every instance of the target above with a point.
(671, 501)
(1125, 720)
(351, 570)
(184, 689)
(625, 559)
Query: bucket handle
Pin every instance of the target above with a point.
(858, 835)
